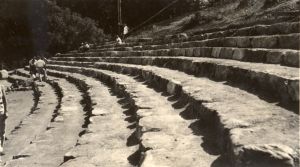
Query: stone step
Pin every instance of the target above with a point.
(49, 147)
(106, 129)
(285, 57)
(256, 30)
(18, 112)
(246, 124)
(34, 124)
(161, 129)
(287, 41)
(270, 81)
(278, 28)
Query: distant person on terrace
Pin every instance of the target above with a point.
(125, 31)
(119, 40)
(84, 47)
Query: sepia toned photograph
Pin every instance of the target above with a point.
(149, 83)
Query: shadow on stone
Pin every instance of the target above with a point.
(221, 161)
(135, 158)
(132, 140)
(209, 136)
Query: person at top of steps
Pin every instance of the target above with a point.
(3, 115)
(125, 31)
(119, 40)
(40, 66)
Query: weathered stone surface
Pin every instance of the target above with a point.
(265, 155)
(243, 42)
(226, 53)
(181, 158)
(173, 87)
(218, 106)
(189, 52)
(291, 58)
(264, 42)
(153, 126)
(274, 57)
(238, 54)
(291, 41)
(216, 52)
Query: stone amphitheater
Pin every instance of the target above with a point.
(221, 97)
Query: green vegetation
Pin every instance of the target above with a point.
(34, 27)
(134, 12)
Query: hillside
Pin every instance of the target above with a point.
(222, 13)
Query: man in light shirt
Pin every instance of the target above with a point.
(125, 31)
(40, 66)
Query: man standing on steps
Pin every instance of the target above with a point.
(40, 65)
(3, 116)
(32, 69)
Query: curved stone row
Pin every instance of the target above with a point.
(48, 148)
(280, 83)
(162, 132)
(33, 125)
(270, 56)
(256, 30)
(242, 119)
(105, 133)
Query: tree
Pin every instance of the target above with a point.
(30, 27)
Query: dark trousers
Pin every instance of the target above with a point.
(2, 128)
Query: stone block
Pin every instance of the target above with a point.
(274, 57)
(229, 42)
(174, 87)
(216, 52)
(226, 53)
(215, 42)
(243, 42)
(291, 41)
(189, 52)
(166, 52)
(221, 72)
(265, 155)
(295, 27)
(238, 54)
(291, 58)
(196, 52)
(264, 42)
(180, 52)
(255, 55)
(206, 52)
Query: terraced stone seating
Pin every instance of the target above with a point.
(256, 30)
(278, 45)
(227, 97)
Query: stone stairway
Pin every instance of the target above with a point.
(159, 126)
(49, 147)
(17, 112)
(49, 130)
(221, 97)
